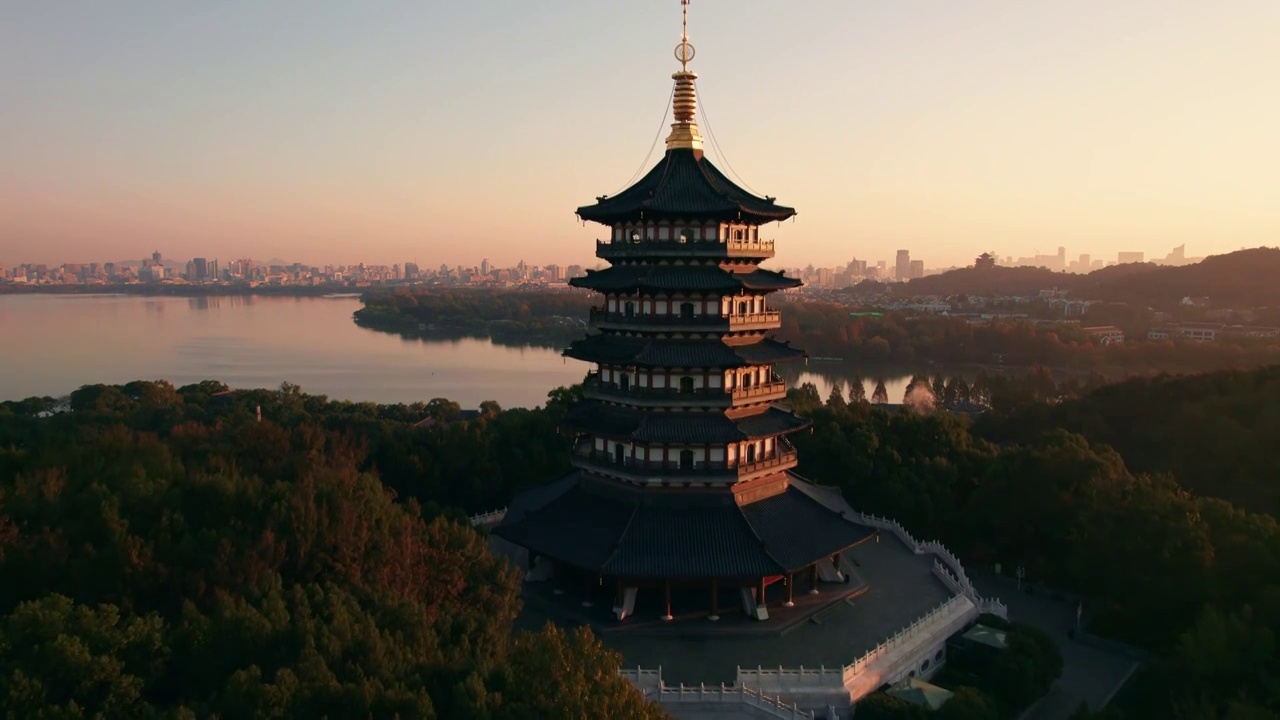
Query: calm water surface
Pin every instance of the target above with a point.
(53, 344)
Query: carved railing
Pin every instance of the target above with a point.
(489, 518)
(595, 386)
(650, 683)
(585, 452)
(955, 577)
(773, 387)
(704, 321)
(708, 248)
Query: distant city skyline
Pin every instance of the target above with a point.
(388, 131)
(1068, 262)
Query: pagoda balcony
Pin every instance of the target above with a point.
(656, 472)
(622, 249)
(605, 320)
(596, 389)
(775, 389)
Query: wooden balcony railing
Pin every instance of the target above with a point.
(593, 386)
(774, 387)
(585, 455)
(768, 318)
(698, 248)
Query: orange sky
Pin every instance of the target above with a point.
(415, 131)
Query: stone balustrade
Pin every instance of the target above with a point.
(493, 517)
(896, 657)
(650, 683)
(732, 694)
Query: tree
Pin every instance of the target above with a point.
(442, 409)
(939, 388)
(835, 400)
(881, 395)
(586, 680)
(857, 392)
(804, 399)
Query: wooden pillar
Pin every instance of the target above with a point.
(715, 600)
(666, 596)
(791, 582)
(760, 594)
(813, 579)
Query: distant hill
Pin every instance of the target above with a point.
(1246, 278)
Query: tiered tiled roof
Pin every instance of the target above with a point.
(685, 185)
(695, 278)
(647, 352)
(630, 534)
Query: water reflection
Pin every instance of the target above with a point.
(60, 342)
(69, 341)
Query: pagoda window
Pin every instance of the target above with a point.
(686, 309)
(686, 384)
(624, 382)
(686, 459)
(746, 381)
(619, 454)
(751, 453)
(742, 308)
(629, 309)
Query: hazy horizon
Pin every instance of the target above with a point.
(323, 132)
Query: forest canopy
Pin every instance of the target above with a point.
(165, 554)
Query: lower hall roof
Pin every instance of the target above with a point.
(637, 533)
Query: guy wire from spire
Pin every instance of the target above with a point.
(666, 108)
(711, 133)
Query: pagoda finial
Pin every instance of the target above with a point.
(684, 103)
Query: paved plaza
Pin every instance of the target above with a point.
(892, 587)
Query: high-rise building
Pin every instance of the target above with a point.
(917, 269)
(484, 266)
(902, 270)
(682, 467)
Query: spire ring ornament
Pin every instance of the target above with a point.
(685, 52)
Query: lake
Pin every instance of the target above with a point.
(54, 344)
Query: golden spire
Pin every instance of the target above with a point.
(684, 103)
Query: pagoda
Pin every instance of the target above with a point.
(682, 472)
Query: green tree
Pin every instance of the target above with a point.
(881, 395)
(586, 686)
